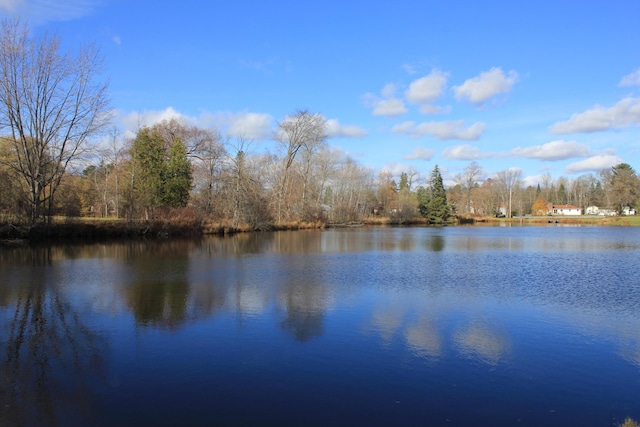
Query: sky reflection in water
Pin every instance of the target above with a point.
(403, 326)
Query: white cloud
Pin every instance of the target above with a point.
(434, 109)
(117, 40)
(389, 90)
(463, 152)
(336, 130)
(624, 113)
(248, 125)
(533, 180)
(404, 127)
(427, 89)
(409, 68)
(442, 130)
(632, 79)
(253, 126)
(488, 84)
(132, 122)
(395, 168)
(594, 164)
(388, 106)
(554, 150)
(40, 11)
(420, 153)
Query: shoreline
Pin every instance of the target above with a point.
(88, 229)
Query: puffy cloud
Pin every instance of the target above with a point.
(488, 84)
(624, 113)
(442, 130)
(41, 11)
(404, 127)
(594, 164)
(427, 89)
(389, 90)
(554, 150)
(248, 125)
(336, 130)
(463, 152)
(388, 106)
(533, 180)
(632, 79)
(420, 153)
(132, 122)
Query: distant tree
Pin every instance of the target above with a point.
(622, 186)
(539, 207)
(177, 177)
(467, 181)
(509, 181)
(159, 178)
(296, 131)
(433, 200)
(51, 104)
(404, 182)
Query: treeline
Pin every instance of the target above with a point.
(178, 172)
(189, 173)
(505, 193)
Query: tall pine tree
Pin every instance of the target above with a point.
(433, 200)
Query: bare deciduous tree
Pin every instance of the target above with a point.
(51, 104)
(301, 129)
(509, 180)
(467, 181)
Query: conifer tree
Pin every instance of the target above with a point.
(433, 200)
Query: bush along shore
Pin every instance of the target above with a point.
(89, 229)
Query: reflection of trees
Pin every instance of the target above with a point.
(159, 290)
(50, 355)
(436, 243)
(305, 305)
(159, 303)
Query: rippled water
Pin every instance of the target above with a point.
(481, 326)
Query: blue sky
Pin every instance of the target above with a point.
(548, 86)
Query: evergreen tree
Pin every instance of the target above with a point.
(148, 159)
(433, 200)
(160, 178)
(404, 182)
(177, 177)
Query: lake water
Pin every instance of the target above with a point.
(457, 326)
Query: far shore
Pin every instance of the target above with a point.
(72, 229)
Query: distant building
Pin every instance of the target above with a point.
(628, 210)
(595, 210)
(591, 210)
(563, 210)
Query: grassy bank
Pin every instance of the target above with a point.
(632, 221)
(112, 228)
(97, 228)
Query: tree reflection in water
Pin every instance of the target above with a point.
(50, 355)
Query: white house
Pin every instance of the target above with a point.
(628, 210)
(564, 210)
(591, 210)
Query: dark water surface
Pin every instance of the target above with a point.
(526, 326)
